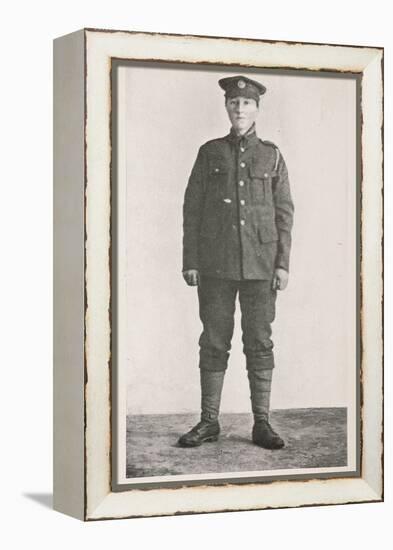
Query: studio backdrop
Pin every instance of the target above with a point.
(165, 113)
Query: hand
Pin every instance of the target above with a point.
(191, 276)
(280, 279)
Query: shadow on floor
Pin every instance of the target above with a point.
(315, 438)
(45, 499)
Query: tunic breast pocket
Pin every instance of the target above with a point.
(261, 184)
(218, 179)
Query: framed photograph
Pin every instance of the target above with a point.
(218, 274)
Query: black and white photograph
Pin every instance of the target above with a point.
(235, 269)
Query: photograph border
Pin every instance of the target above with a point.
(90, 495)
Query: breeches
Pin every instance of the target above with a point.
(217, 299)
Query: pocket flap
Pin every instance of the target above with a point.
(262, 174)
(268, 233)
(217, 166)
(258, 170)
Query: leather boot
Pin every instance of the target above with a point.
(208, 428)
(201, 433)
(263, 434)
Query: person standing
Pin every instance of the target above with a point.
(237, 222)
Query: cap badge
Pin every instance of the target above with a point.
(241, 84)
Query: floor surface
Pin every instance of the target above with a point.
(315, 438)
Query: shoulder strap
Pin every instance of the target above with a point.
(277, 158)
(277, 152)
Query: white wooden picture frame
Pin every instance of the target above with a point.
(84, 364)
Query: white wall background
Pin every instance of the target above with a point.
(26, 358)
(169, 113)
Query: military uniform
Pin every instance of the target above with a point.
(238, 210)
(238, 216)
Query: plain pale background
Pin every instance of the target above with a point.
(26, 456)
(169, 112)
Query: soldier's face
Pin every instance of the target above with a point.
(242, 112)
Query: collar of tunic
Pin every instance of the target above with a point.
(246, 140)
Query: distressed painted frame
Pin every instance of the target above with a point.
(82, 295)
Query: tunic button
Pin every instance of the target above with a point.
(242, 202)
(241, 183)
(265, 175)
(242, 149)
(242, 222)
(216, 169)
(242, 164)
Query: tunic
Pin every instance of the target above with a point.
(238, 210)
